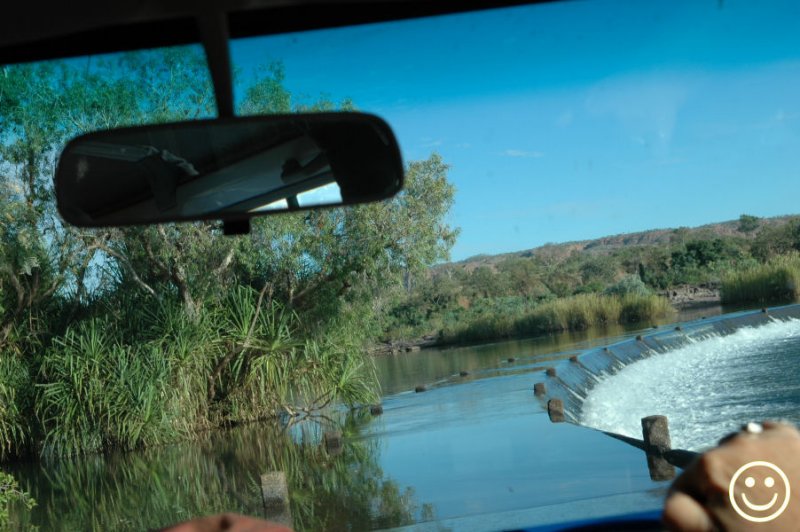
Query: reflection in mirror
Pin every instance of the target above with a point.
(323, 195)
(226, 169)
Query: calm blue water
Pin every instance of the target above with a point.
(472, 452)
(706, 389)
(483, 455)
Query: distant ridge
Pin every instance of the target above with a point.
(606, 244)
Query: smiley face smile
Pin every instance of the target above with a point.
(760, 507)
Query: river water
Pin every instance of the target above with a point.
(706, 389)
(473, 451)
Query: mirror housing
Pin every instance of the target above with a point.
(226, 169)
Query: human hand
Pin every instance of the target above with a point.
(700, 499)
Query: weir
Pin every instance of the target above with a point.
(572, 380)
(568, 383)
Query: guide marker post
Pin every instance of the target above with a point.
(275, 495)
(555, 409)
(657, 443)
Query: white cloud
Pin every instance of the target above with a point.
(428, 142)
(523, 153)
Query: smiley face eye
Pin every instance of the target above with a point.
(769, 482)
(750, 482)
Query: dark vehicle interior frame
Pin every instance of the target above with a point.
(38, 31)
(87, 27)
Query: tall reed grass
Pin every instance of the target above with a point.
(574, 313)
(99, 393)
(15, 400)
(100, 387)
(775, 281)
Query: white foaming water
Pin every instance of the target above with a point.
(706, 389)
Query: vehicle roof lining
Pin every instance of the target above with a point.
(91, 27)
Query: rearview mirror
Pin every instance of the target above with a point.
(227, 169)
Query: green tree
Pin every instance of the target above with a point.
(630, 284)
(523, 277)
(230, 320)
(483, 282)
(42, 106)
(774, 240)
(747, 223)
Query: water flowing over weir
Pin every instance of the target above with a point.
(707, 377)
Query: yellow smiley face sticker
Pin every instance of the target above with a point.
(759, 491)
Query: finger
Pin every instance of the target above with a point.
(768, 427)
(694, 480)
(775, 423)
(725, 439)
(782, 427)
(683, 513)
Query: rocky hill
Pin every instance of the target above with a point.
(653, 237)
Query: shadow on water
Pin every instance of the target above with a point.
(220, 472)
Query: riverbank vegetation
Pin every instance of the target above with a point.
(624, 279)
(777, 280)
(574, 313)
(128, 338)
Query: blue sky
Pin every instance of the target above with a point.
(580, 119)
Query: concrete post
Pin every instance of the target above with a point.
(539, 389)
(555, 409)
(551, 372)
(655, 433)
(333, 442)
(659, 468)
(275, 495)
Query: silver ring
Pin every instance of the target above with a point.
(753, 428)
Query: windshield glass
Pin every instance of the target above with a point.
(600, 199)
(582, 119)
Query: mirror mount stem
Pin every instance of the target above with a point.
(213, 26)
